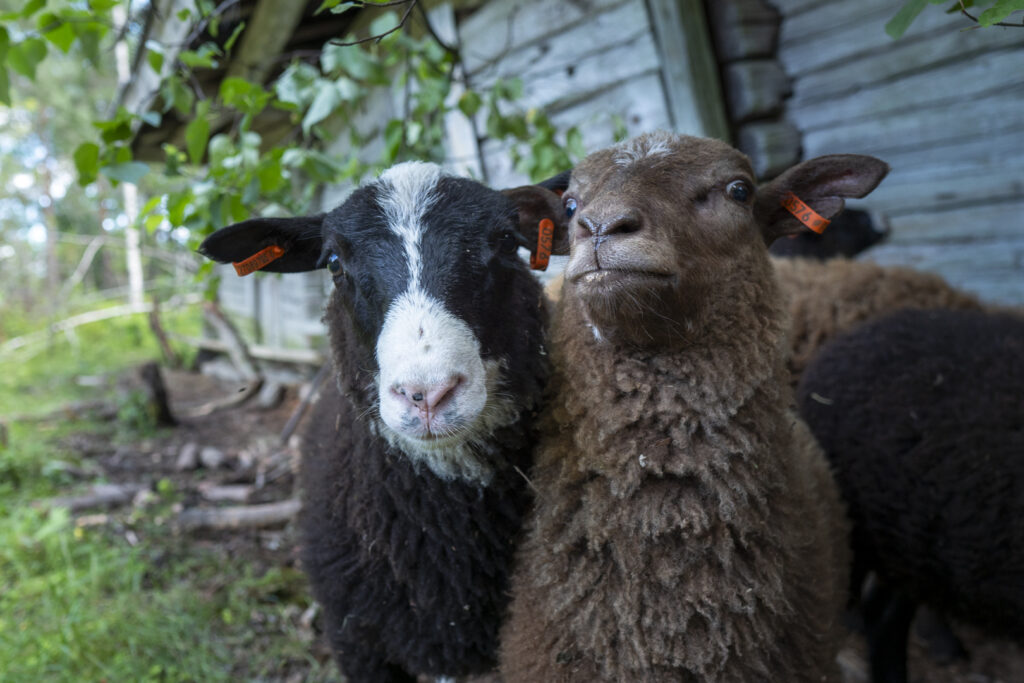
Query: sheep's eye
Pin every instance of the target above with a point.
(508, 241)
(570, 207)
(334, 264)
(738, 190)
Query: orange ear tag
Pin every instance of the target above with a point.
(804, 213)
(545, 237)
(259, 260)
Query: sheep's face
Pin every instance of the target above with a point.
(425, 267)
(655, 221)
(667, 229)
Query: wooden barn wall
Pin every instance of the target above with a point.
(587, 62)
(943, 106)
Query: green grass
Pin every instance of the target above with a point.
(42, 376)
(129, 600)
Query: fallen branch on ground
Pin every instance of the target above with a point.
(239, 517)
(100, 495)
(231, 401)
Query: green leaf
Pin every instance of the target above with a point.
(899, 24)
(295, 85)
(383, 23)
(5, 87)
(153, 222)
(197, 133)
(1000, 11)
(355, 62)
(182, 97)
(324, 103)
(126, 172)
(102, 5)
(234, 37)
(153, 118)
(150, 205)
(248, 98)
(89, 36)
(220, 148)
(26, 55)
(87, 162)
(194, 60)
(271, 177)
(156, 61)
(469, 103)
(326, 4)
(31, 7)
(59, 33)
(184, 14)
(5, 44)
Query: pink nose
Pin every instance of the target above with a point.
(428, 398)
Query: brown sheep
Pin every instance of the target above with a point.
(686, 526)
(831, 297)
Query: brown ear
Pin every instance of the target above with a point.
(534, 203)
(822, 184)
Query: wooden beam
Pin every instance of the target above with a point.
(689, 68)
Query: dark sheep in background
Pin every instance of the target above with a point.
(686, 526)
(412, 468)
(850, 233)
(922, 416)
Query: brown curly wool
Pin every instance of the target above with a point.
(827, 298)
(686, 525)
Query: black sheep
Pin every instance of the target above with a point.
(922, 416)
(412, 469)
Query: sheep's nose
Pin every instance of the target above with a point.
(623, 223)
(427, 398)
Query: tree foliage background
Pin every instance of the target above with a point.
(67, 144)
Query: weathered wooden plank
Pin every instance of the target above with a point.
(791, 7)
(637, 101)
(689, 68)
(499, 28)
(559, 89)
(899, 196)
(992, 269)
(963, 155)
(755, 89)
(742, 12)
(831, 18)
(983, 75)
(862, 37)
(620, 25)
(773, 146)
(989, 116)
(1002, 220)
(743, 41)
(900, 59)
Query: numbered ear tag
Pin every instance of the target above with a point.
(545, 237)
(259, 260)
(804, 213)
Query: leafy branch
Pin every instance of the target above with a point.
(993, 16)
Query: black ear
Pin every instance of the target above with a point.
(557, 184)
(535, 203)
(300, 239)
(820, 184)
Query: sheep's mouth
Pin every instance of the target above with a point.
(611, 276)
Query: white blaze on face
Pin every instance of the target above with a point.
(422, 347)
(657, 143)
